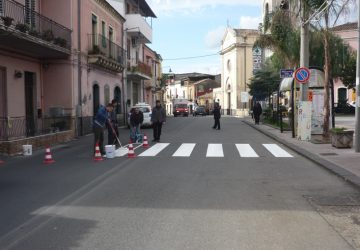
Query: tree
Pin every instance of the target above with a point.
(327, 10)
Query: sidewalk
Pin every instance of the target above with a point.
(343, 162)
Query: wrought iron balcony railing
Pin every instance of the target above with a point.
(100, 45)
(16, 15)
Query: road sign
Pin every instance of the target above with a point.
(302, 75)
(284, 73)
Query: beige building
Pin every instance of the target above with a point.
(238, 61)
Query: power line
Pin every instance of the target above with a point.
(190, 57)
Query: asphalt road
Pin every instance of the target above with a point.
(211, 198)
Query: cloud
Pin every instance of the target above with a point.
(213, 38)
(190, 6)
(248, 22)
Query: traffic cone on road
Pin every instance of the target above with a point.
(1, 162)
(97, 156)
(145, 142)
(131, 152)
(48, 157)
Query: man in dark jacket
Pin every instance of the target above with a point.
(158, 117)
(257, 110)
(101, 119)
(136, 119)
(217, 116)
(114, 125)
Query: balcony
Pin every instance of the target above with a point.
(137, 24)
(140, 71)
(104, 53)
(27, 32)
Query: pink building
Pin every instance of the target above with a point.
(59, 60)
(348, 32)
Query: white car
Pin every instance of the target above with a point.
(145, 109)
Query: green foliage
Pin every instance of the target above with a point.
(348, 72)
(337, 130)
(263, 83)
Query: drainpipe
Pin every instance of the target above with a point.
(79, 110)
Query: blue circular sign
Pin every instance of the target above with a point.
(302, 75)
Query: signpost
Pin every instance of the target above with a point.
(302, 75)
(285, 73)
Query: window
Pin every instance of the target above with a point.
(2, 8)
(111, 47)
(30, 12)
(94, 28)
(128, 50)
(103, 34)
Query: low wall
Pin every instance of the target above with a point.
(15, 146)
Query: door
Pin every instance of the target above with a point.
(30, 101)
(3, 108)
(96, 98)
(117, 97)
(229, 104)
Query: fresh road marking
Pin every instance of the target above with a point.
(184, 150)
(276, 151)
(245, 150)
(215, 150)
(154, 150)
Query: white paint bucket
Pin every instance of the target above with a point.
(110, 151)
(27, 150)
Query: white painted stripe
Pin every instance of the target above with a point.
(276, 150)
(184, 150)
(245, 150)
(215, 150)
(154, 150)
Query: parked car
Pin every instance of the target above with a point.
(145, 109)
(344, 108)
(199, 110)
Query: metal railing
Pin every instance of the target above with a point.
(100, 45)
(34, 24)
(142, 68)
(22, 127)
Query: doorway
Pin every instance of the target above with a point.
(3, 106)
(117, 97)
(30, 101)
(96, 98)
(229, 103)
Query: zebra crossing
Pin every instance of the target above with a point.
(215, 150)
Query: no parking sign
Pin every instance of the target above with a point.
(302, 75)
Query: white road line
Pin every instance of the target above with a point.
(276, 150)
(245, 150)
(215, 150)
(154, 150)
(184, 150)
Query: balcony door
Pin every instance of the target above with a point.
(30, 102)
(30, 12)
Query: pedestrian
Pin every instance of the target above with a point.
(112, 126)
(158, 118)
(101, 119)
(257, 110)
(217, 116)
(136, 119)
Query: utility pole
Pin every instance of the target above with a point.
(357, 104)
(304, 47)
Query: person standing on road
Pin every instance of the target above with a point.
(158, 117)
(217, 116)
(101, 119)
(136, 119)
(114, 125)
(257, 110)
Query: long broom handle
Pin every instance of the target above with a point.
(113, 130)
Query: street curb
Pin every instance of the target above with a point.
(332, 167)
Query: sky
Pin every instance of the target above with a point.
(191, 28)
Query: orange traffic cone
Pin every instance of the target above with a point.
(97, 156)
(131, 152)
(48, 157)
(145, 142)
